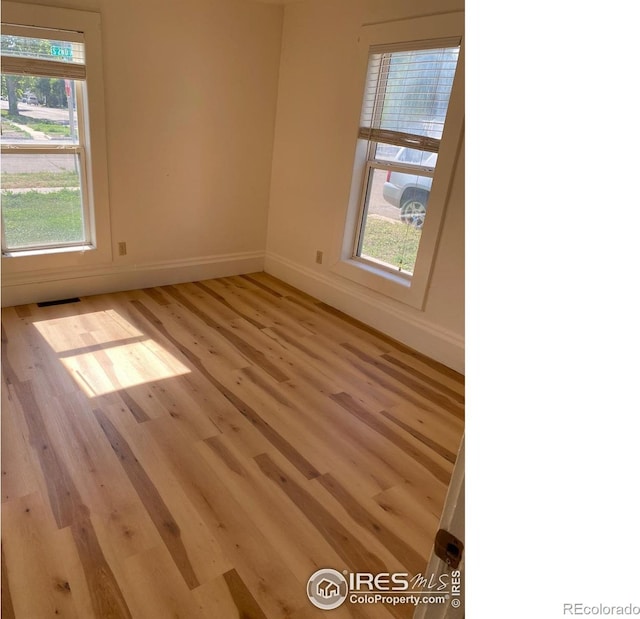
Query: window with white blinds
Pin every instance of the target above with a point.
(407, 93)
(404, 110)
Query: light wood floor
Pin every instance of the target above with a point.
(199, 450)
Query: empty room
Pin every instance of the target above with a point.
(232, 309)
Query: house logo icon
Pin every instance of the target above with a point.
(327, 589)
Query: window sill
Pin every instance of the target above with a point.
(47, 251)
(378, 279)
(370, 266)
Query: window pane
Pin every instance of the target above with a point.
(409, 91)
(44, 49)
(41, 200)
(38, 110)
(387, 152)
(393, 218)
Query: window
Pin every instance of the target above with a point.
(409, 140)
(54, 183)
(403, 115)
(45, 203)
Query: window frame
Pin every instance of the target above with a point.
(372, 164)
(408, 289)
(78, 150)
(91, 123)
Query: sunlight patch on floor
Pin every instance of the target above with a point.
(104, 352)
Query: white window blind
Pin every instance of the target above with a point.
(43, 52)
(407, 94)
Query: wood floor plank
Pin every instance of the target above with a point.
(246, 312)
(23, 311)
(350, 549)
(246, 411)
(155, 587)
(429, 462)
(251, 415)
(409, 557)
(450, 401)
(132, 405)
(201, 546)
(21, 365)
(323, 430)
(416, 514)
(250, 352)
(383, 341)
(404, 393)
(5, 593)
(33, 561)
(354, 553)
(340, 436)
(275, 587)
(322, 367)
(69, 511)
(63, 497)
(332, 327)
(157, 295)
(199, 450)
(24, 352)
(442, 430)
(214, 597)
(120, 519)
(423, 438)
(424, 372)
(19, 473)
(106, 596)
(163, 520)
(242, 597)
(246, 299)
(187, 329)
(365, 445)
(294, 537)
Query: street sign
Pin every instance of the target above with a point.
(65, 52)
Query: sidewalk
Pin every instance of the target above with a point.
(38, 189)
(36, 135)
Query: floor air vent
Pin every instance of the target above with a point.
(59, 302)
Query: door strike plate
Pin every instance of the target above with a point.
(448, 548)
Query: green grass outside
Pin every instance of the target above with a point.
(33, 180)
(34, 218)
(49, 127)
(393, 243)
(9, 127)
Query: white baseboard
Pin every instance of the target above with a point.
(35, 287)
(401, 323)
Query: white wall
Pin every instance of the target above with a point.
(190, 93)
(312, 165)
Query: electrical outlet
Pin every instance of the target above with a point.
(122, 248)
(318, 257)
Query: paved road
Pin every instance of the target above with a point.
(377, 204)
(37, 163)
(39, 111)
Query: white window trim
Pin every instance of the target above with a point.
(97, 190)
(409, 290)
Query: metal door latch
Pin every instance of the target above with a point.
(448, 548)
